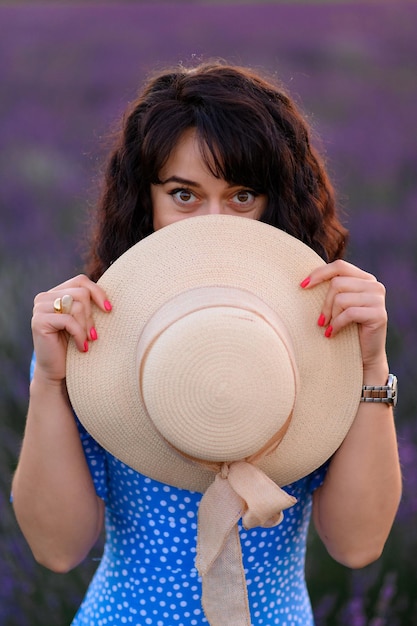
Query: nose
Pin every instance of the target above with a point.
(215, 207)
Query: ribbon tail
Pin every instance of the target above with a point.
(225, 597)
(219, 556)
(220, 509)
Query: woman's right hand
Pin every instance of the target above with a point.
(51, 330)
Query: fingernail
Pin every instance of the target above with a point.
(305, 282)
(328, 331)
(85, 346)
(93, 333)
(107, 305)
(321, 320)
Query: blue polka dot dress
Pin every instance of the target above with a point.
(147, 573)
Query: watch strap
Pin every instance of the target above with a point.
(381, 393)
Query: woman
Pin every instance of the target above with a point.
(213, 139)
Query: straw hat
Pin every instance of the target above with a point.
(211, 373)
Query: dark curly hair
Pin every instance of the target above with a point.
(250, 132)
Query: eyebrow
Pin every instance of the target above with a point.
(179, 180)
(189, 183)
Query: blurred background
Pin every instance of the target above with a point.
(67, 71)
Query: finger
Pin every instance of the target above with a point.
(79, 321)
(344, 293)
(56, 329)
(82, 290)
(96, 293)
(50, 303)
(370, 318)
(332, 270)
(366, 308)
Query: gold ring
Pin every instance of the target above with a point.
(58, 305)
(66, 303)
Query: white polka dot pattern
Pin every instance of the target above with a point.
(147, 573)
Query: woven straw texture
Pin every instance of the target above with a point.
(233, 253)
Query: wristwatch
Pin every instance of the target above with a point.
(384, 393)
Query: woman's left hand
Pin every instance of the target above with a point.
(355, 507)
(353, 296)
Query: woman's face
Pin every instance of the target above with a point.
(188, 189)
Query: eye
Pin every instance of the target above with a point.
(244, 196)
(183, 196)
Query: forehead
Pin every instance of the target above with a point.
(187, 157)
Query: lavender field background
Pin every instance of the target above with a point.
(66, 73)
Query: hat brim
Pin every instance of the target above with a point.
(224, 251)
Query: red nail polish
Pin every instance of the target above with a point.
(305, 282)
(85, 346)
(321, 320)
(107, 305)
(328, 331)
(93, 334)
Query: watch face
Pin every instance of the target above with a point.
(392, 384)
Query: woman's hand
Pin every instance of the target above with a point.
(354, 296)
(51, 330)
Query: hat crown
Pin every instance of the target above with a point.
(217, 374)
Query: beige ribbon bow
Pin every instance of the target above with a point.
(239, 490)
